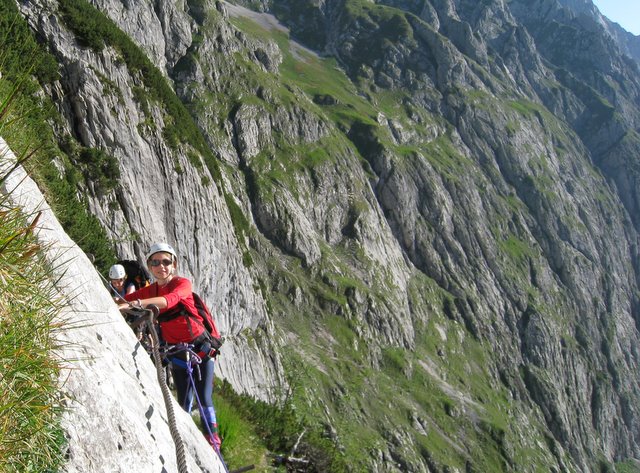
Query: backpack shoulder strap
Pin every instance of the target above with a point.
(205, 315)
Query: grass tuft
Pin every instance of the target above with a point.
(31, 439)
(30, 436)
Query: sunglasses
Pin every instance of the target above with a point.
(157, 262)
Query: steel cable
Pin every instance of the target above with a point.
(181, 456)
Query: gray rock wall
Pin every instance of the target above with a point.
(160, 196)
(114, 416)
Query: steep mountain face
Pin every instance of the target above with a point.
(161, 195)
(437, 254)
(588, 14)
(105, 364)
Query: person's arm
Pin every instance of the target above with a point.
(142, 294)
(181, 290)
(130, 288)
(158, 301)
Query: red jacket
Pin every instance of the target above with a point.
(178, 292)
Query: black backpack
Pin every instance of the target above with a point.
(136, 273)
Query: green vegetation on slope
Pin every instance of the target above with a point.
(96, 31)
(56, 168)
(30, 437)
(278, 428)
(30, 405)
(402, 386)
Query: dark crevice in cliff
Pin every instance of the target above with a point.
(365, 138)
(270, 230)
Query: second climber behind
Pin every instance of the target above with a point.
(119, 282)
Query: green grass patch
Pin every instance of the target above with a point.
(241, 227)
(241, 446)
(394, 360)
(280, 428)
(515, 248)
(321, 79)
(446, 158)
(629, 466)
(390, 23)
(30, 406)
(525, 107)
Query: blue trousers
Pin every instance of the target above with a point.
(204, 388)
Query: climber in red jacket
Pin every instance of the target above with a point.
(179, 323)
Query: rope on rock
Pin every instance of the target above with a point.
(181, 456)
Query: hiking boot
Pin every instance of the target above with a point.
(214, 440)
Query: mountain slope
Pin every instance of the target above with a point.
(434, 253)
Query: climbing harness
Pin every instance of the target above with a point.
(193, 359)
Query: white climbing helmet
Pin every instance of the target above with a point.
(161, 248)
(117, 272)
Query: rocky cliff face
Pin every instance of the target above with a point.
(441, 247)
(115, 418)
(588, 14)
(161, 196)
